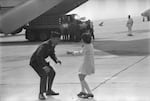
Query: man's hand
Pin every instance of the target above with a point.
(46, 69)
(58, 61)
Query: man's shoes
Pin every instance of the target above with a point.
(41, 96)
(130, 34)
(51, 93)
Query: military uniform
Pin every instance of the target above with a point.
(38, 61)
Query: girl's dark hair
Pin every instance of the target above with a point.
(86, 38)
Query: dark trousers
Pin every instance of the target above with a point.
(46, 79)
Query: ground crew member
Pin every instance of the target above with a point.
(92, 30)
(129, 25)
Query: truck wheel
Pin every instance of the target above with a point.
(30, 35)
(43, 36)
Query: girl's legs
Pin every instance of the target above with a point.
(84, 84)
(81, 77)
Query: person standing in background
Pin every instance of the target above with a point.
(92, 29)
(129, 25)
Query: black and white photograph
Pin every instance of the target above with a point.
(74, 50)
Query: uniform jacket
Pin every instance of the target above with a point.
(42, 52)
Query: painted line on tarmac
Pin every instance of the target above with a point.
(116, 74)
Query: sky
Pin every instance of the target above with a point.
(103, 9)
(107, 9)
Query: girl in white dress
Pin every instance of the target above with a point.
(87, 67)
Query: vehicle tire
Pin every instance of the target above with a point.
(30, 35)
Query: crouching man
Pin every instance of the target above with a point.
(42, 68)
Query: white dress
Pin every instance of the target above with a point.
(87, 66)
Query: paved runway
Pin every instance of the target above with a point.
(122, 66)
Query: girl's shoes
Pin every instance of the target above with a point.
(81, 94)
(85, 95)
(88, 96)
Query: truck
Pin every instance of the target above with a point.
(39, 23)
(67, 25)
(54, 20)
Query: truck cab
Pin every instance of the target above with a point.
(41, 28)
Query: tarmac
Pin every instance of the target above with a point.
(122, 66)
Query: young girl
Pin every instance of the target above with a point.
(87, 66)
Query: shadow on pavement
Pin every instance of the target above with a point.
(134, 31)
(9, 35)
(50, 98)
(80, 99)
(16, 43)
(140, 47)
(127, 48)
(25, 42)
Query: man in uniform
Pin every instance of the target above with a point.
(42, 67)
